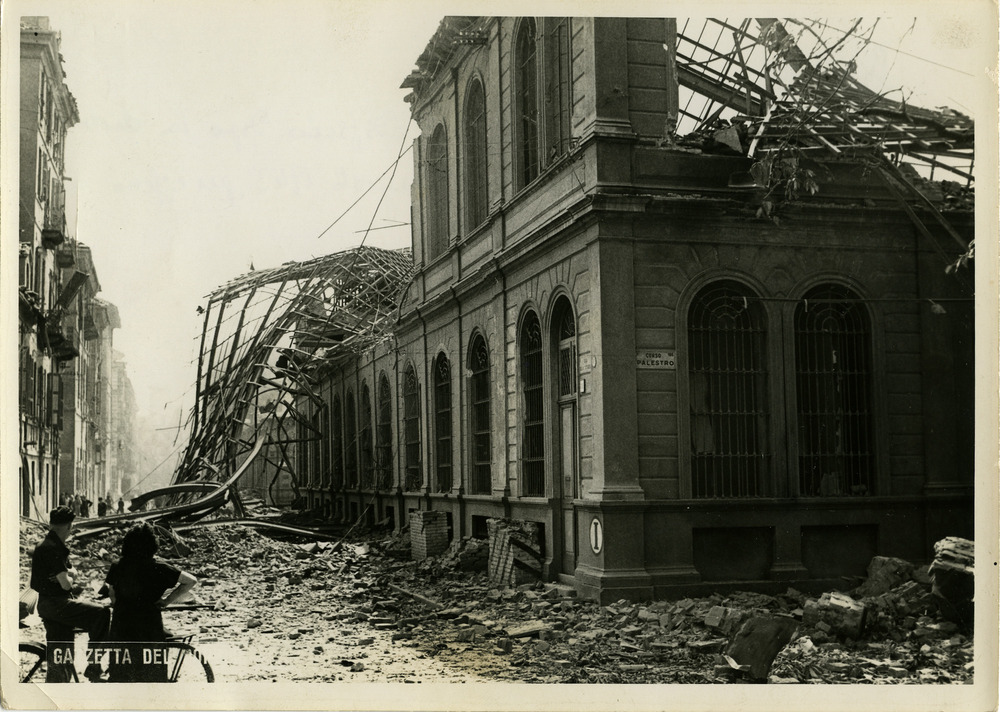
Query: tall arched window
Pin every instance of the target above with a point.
(351, 441)
(558, 103)
(383, 435)
(526, 102)
(325, 447)
(476, 192)
(338, 444)
(833, 386)
(411, 430)
(564, 347)
(532, 382)
(365, 442)
(728, 380)
(481, 481)
(442, 423)
(436, 171)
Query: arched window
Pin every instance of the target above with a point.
(479, 393)
(526, 103)
(558, 105)
(351, 441)
(532, 381)
(833, 386)
(442, 423)
(411, 430)
(436, 171)
(383, 435)
(338, 444)
(564, 348)
(367, 458)
(728, 381)
(476, 192)
(324, 446)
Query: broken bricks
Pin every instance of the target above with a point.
(844, 615)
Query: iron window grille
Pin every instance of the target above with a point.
(367, 456)
(411, 430)
(350, 441)
(383, 435)
(833, 394)
(479, 363)
(728, 392)
(442, 423)
(338, 444)
(533, 448)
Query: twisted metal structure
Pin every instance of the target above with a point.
(267, 335)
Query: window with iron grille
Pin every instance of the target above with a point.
(383, 435)
(442, 423)
(479, 391)
(557, 87)
(365, 443)
(728, 391)
(533, 447)
(315, 451)
(350, 441)
(325, 447)
(833, 393)
(526, 102)
(436, 170)
(337, 437)
(411, 430)
(476, 197)
(565, 325)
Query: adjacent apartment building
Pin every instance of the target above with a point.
(628, 338)
(65, 359)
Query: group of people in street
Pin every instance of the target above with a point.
(80, 504)
(139, 586)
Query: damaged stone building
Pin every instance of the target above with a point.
(689, 328)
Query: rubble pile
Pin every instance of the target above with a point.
(322, 611)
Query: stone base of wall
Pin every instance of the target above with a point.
(428, 534)
(515, 552)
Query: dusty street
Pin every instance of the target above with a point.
(365, 612)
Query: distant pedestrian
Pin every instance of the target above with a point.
(102, 507)
(121, 506)
(85, 507)
(76, 505)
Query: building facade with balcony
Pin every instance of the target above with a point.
(47, 110)
(610, 334)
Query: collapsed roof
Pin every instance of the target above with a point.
(267, 337)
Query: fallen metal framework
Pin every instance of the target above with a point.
(747, 87)
(267, 337)
(790, 90)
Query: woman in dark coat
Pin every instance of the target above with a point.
(136, 584)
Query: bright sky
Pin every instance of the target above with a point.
(216, 134)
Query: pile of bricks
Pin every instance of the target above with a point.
(515, 552)
(428, 534)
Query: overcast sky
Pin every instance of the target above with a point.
(215, 134)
